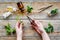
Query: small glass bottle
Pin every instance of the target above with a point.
(20, 6)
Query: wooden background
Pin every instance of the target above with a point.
(29, 33)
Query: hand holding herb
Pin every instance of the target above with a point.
(19, 27)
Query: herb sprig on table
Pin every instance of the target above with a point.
(50, 28)
(54, 11)
(29, 9)
(9, 30)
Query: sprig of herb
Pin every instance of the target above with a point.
(54, 11)
(9, 30)
(29, 9)
(49, 29)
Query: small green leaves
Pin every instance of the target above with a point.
(17, 17)
(49, 29)
(14, 31)
(29, 9)
(54, 11)
(50, 26)
(9, 30)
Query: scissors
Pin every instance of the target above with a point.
(31, 20)
(44, 8)
(34, 25)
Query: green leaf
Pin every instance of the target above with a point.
(8, 32)
(50, 28)
(7, 26)
(8, 29)
(14, 31)
(29, 9)
(54, 11)
(47, 30)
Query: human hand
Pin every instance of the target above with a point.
(19, 27)
(37, 26)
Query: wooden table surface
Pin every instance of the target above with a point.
(35, 15)
(29, 33)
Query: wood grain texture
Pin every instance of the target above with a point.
(29, 32)
(27, 27)
(36, 5)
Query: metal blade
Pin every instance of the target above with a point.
(29, 18)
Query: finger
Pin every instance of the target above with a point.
(34, 26)
(37, 30)
(33, 23)
(38, 23)
(17, 24)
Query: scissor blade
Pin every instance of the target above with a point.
(29, 18)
